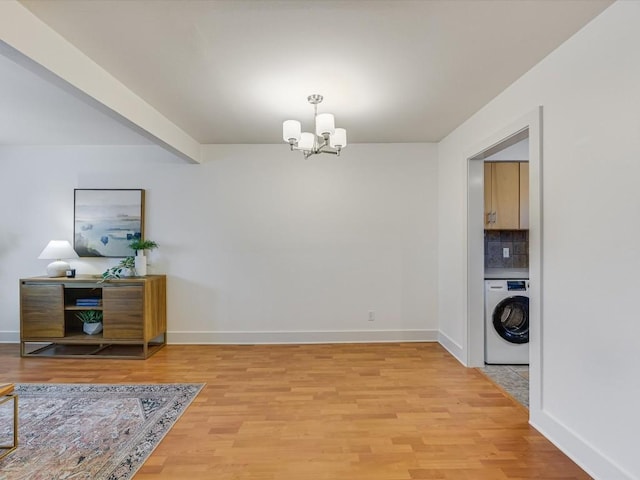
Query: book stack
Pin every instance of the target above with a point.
(89, 302)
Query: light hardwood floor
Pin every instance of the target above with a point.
(336, 412)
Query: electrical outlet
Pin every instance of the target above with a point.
(372, 315)
(505, 252)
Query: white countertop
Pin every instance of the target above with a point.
(506, 273)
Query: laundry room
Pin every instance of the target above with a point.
(506, 266)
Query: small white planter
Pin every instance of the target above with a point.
(141, 264)
(92, 328)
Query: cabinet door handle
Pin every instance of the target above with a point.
(494, 217)
(488, 218)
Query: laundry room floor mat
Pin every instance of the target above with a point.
(514, 379)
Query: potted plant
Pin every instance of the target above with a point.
(91, 320)
(124, 268)
(140, 246)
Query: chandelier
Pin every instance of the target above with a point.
(326, 139)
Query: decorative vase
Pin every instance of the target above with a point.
(128, 272)
(141, 264)
(92, 328)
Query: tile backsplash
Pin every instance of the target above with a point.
(517, 241)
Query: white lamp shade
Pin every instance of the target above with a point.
(325, 124)
(338, 139)
(307, 141)
(57, 250)
(291, 130)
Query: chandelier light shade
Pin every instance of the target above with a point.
(291, 131)
(326, 139)
(325, 124)
(306, 142)
(57, 250)
(339, 138)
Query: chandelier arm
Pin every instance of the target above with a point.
(300, 149)
(331, 152)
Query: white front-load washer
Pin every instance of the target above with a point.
(506, 333)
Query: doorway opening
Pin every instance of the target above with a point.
(527, 127)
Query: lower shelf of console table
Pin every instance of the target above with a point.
(68, 348)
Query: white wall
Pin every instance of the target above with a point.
(590, 91)
(259, 245)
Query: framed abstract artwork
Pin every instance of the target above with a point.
(106, 221)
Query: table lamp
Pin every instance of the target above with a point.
(57, 250)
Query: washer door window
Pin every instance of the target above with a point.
(511, 319)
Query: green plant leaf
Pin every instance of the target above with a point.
(90, 316)
(140, 244)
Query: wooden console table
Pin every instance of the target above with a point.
(134, 316)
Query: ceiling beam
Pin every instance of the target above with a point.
(71, 69)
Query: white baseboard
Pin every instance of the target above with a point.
(8, 336)
(585, 455)
(452, 347)
(282, 337)
(377, 336)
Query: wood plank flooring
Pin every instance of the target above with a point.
(337, 412)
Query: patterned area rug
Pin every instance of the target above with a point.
(92, 431)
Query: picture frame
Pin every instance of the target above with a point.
(105, 221)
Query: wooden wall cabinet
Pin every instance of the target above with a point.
(134, 316)
(506, 195)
